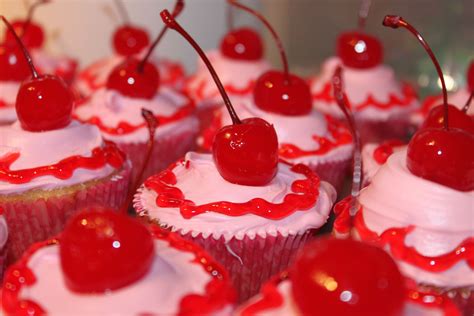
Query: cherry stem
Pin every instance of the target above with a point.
(395, 22)
(230, 17)
(277, 39)
(363, 13)
(178, 7)
(152, 125)
(468, 103)
(173, 24)
(31, 12)
(343, 103)
(27, 55)
(123, 11)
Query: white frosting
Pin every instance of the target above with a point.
(172, 276)
(237, 73)
(8, 92)
(201, 183)
(112, 108)
(288, 308)
(46, 148)
(3, 232)
(378, 81)
(370, 165)
(296, 130)
(442, 217)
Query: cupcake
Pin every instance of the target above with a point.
(51, 165)
(344, 277)
(305, 135)
(381, 104)
(116, 111)
(247, 209)
(461, 98)
(128, 41)
(105, 263)
(426, 223)
(33, 36)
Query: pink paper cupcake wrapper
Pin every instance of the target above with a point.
(251, 262)
(33, 220)
(3, 261)
(166, 151)
(333, 172)
(379, 131)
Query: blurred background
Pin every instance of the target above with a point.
(308, 28)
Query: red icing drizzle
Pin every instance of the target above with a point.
(304, 195)
(218, 291)
(200, 94)
(395, 239)
(433, 300)
(4, 104)
(109, 154)
(339, 136)
(343, 222)
(126, 128)
(385, 150)
(408, 92)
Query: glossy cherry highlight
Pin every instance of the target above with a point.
(346, 277)
(102, 250)
(139, 78)
(279, 91)
(245, 152)
(242, 44)
(43, 102)
(442, 154)
(31, 34)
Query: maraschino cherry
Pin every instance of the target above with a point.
(129, 40)
(358, 49)
(279, 91)
(103, 250)
(442, 154)
(13, 66)
(346, 277)
(245, 152)
(43, 102)
(470, 76)
(31, 33)
(137, 78)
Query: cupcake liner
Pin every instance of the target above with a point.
(251, 262)
(333, 172)
(3, 261)
(39, 214)
(166, 151)
(379, 131)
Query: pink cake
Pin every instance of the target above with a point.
(245, 227)
(176, 277)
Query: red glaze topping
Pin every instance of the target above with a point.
(245, 152)
(13, 66)
(408, 96)
(102, 250)
(394, 239)
(430, 299)
(359, 50)
(304, 195)
(218, 292)
(343, 222)
(242, 44)
(109, 154)
(124, 128)
(130, 40)
(386, 149)
(3, 104)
